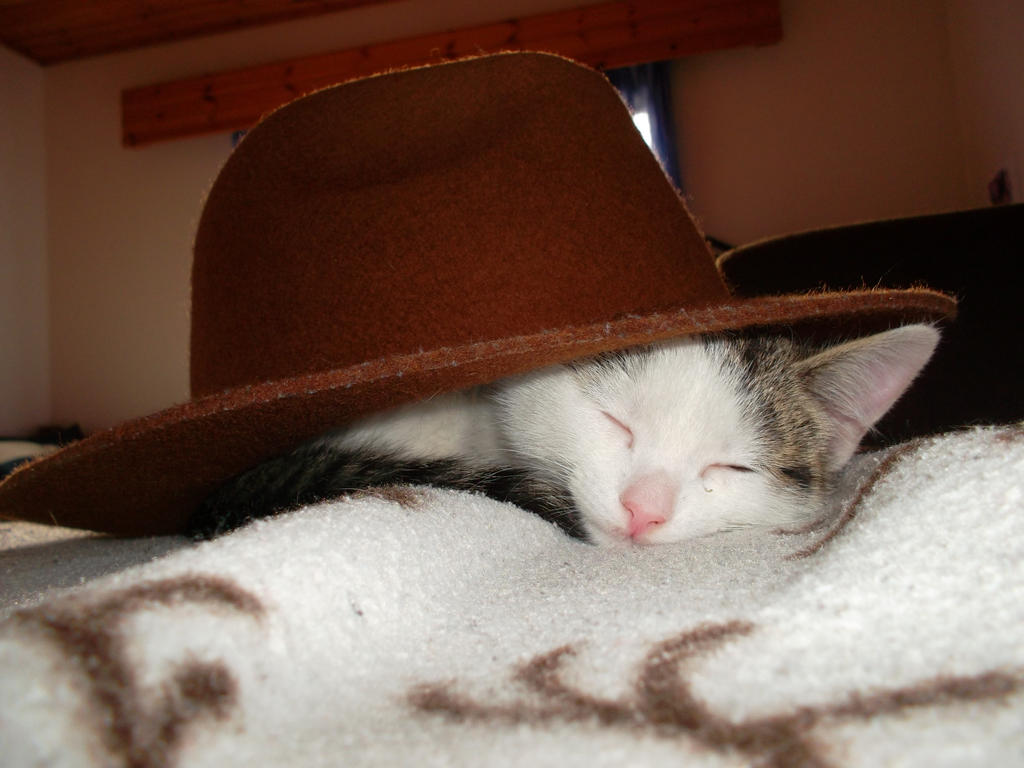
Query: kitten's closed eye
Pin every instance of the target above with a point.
(733, 467)
(714, 474)
(621, 426)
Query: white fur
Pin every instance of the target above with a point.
(455, 424)
(686, 421)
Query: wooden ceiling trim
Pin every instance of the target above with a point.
(51, 31)
(604, 35)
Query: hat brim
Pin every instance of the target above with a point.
(146, 476)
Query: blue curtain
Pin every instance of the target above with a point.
(646, 88)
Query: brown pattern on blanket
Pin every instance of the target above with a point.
(891, 460)
(407, 496)
(850, 509)
(1012, 434)
(90, 635)
(662, 702)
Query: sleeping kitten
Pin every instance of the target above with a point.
(650, 445)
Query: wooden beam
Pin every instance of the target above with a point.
(50, 31)
(605, 35)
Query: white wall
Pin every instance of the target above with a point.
(851, 117)
(120, 232)
(987, 45)
(24, 321)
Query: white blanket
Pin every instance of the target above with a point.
(425, 627)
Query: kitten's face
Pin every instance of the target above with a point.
(673, 442)
(687, 438)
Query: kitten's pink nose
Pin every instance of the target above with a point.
(641, 520)
(648, 501)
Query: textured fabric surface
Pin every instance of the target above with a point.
(420, 627)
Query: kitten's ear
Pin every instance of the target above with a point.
(860, 380)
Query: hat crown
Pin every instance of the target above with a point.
(432, 208)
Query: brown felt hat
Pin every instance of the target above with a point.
(413, 233)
